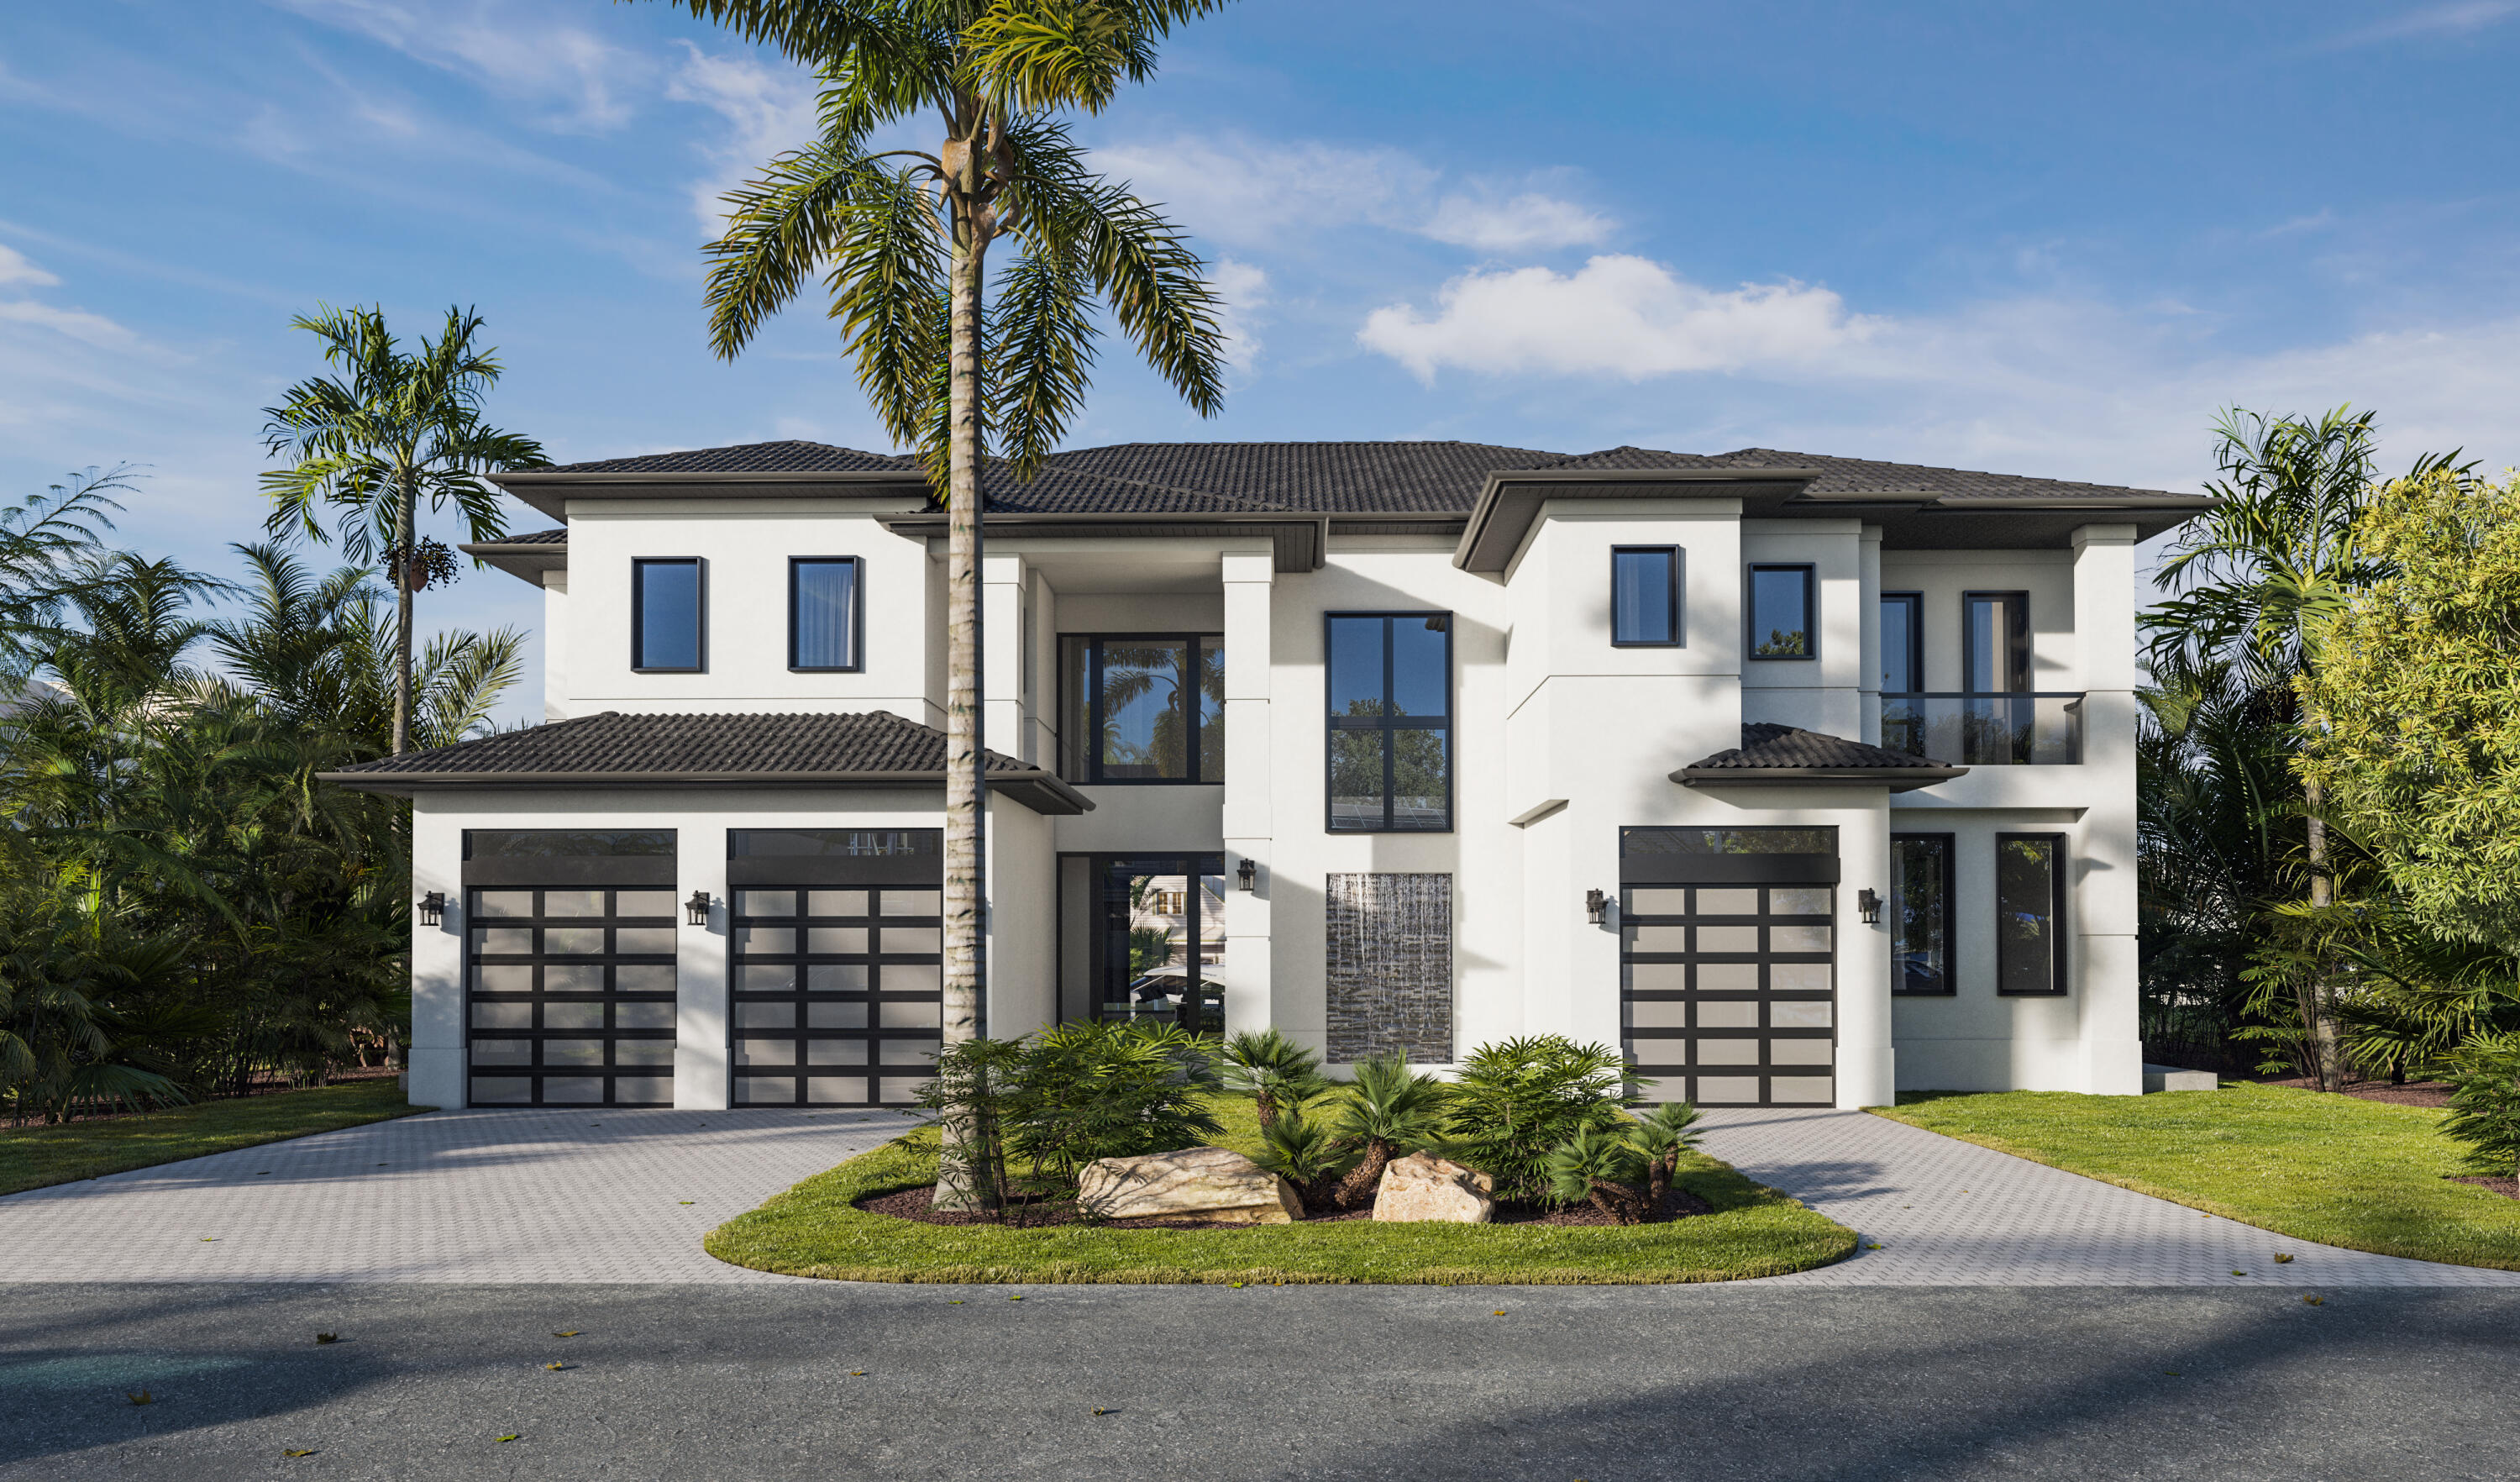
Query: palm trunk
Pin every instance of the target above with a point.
(965, 797)
(2326, 1057)
(1365, 1181)
(400, 556)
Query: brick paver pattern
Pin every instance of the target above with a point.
(1949, 1213)
(602, 1195)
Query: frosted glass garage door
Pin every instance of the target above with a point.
(571, 996)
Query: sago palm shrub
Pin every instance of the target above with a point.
(1387, 1113)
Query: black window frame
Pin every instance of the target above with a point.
(857, 615)
(1811, 612)
(2021, 648)
(1679, 572)
(1914, 602)
(2056, 861)
(1385, 723)
(639, 614)
(1950, 885)
(1089, 758)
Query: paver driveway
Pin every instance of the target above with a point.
(602, 1195)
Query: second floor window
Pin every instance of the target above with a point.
(1143, 707)
(1996, 641)
(1391, 722)
(665, 615)
(1902, 642)
(1781, 603)
(1644, 597)
(826, 603)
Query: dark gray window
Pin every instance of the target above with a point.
(1390, 722)
(826, 613)
(1902, 642)
(665, 609)
(1143, 707)
(1644, 597)
(2030, 913)
(1920, 914)
(1994, 638)
(1782, 616)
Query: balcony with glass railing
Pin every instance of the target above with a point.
(2020, 730)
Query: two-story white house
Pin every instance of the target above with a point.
(1803, 779)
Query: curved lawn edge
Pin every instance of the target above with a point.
(815, 1230)
(42, 1157)
(2488, 1217)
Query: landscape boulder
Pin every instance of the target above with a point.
(1205, 1183)
(1424, 1187)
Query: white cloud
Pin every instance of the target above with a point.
(14, 268)
(1618, 316)
(1253, 193)
(89, 329)
(1245, 292)
(504, 48)
(2460, 17)
(769, 109)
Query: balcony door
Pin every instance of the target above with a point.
(1995, 642)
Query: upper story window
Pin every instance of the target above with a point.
(826, 613)
(1995, 642)
(1781, 612)
(1390, 722)
(666, 614)
(1902, 642)
(1143, 707)
(1644, 597)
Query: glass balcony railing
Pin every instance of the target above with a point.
(2021, 730)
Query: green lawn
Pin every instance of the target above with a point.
(2336, 1169)
(31, 1157)
(813, 1229)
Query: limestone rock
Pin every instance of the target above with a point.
(1209, 1182)
(1424, 1187)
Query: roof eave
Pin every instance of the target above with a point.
(526, 563)
(1510, 501)
(550, 490)
(1041, 791)
(1896, 779)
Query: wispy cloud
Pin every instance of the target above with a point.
(767, 109)
(2460, 17)
(509, 49)
(14, 268)
(1255, 194)
(1245, 288)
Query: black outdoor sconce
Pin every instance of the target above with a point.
(1594, 903)
(696, 907)
(1246, 875)
(432, 908)
(1868, 905)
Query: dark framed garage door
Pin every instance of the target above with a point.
(838, 967)
(570, 939)
(1726, 963)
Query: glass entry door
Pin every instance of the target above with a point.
(1153, 929)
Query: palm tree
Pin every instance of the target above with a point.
(905, 250)
(396, 427)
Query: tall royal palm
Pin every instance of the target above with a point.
(392, 429)
(960, 364)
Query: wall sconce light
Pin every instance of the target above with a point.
(696, 907)
(1594, 903)
(432, 908)
(1870, 905)
(1246, 873)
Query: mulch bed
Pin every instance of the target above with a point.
(2509, 1189)
(920, 1204)
(2412, 1094)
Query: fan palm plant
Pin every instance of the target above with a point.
(903, 238)
(1276, 1074)
(394, 428)
(1388, 1113)
(1660, 1137)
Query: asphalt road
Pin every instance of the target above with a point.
(1606, 1384)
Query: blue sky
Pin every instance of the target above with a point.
(2026, 236)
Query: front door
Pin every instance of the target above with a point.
(1726, 963)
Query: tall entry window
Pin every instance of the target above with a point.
(1644, 597)
(1143, 707)
(826, 613)
(1782, 621)
(2030, 913)
(665, 615)
(1920, 914)
(1902, 642)
(1995, 639)
(1390, 722)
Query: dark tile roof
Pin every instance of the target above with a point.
(558, 537)
(790, 457)
(1766, 747)
(1313, 478)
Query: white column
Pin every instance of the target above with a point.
(701, 1069)
(556, 704)
(1866, 1064)
(1247, 582)
(435, 1055)
(1001, 628)
(2103, 899)
(1868, 684)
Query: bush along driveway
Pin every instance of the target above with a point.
(817, 1230)
(2335, 1168)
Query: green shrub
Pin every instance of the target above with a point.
(1307, 1154)
(1601, 1164)
(1276, 1072)
(1661, 1136)
(1518, 1100)
(1387, 1113)
(2485, 1099)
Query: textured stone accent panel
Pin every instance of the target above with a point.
(1389, 979)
